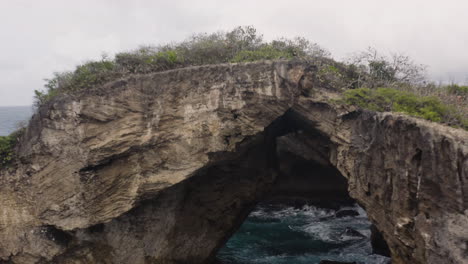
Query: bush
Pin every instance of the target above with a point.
(457, 90)
(85, 76)
(146, 60)
(392, 70)
(267, 52)
(389, 99)
(7, 145)
(242, 44)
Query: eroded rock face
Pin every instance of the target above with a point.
(162, 168)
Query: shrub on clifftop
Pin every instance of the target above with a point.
(243, 44)
(389, 99)
(408, 93)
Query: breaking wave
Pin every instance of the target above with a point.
(278, 234)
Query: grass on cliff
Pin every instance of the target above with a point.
(394, 100)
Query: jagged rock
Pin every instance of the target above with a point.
(352, 233)
(345, 213)
(164, 167)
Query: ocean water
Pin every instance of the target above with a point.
(11, 116)
(276, 234)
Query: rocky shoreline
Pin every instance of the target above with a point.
(164, 167)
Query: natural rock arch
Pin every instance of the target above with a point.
(163, 167)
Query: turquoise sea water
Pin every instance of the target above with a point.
(275, 234)
(11, 116)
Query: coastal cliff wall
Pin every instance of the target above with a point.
(163, 167)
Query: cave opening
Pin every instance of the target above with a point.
(276, 198)
(307, 216)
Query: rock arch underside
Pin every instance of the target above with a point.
(164, 167)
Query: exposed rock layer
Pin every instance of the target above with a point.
(162, 168)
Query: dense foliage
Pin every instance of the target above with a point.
(389, 99)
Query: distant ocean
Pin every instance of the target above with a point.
(11, 116)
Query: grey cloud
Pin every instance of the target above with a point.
(40, 37)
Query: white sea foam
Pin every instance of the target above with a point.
(289, 211)
(321, 225)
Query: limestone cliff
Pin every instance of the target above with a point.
(163, 167)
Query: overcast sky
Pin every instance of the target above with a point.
(40, 37)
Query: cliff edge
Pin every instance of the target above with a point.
(163, 167)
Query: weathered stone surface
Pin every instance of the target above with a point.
(163, 167)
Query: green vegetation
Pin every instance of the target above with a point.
(242, 44)
(457, 89)
(359, 78)
(267, 52)
(7, 145)
(389, 99)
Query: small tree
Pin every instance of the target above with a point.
(381, 70)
